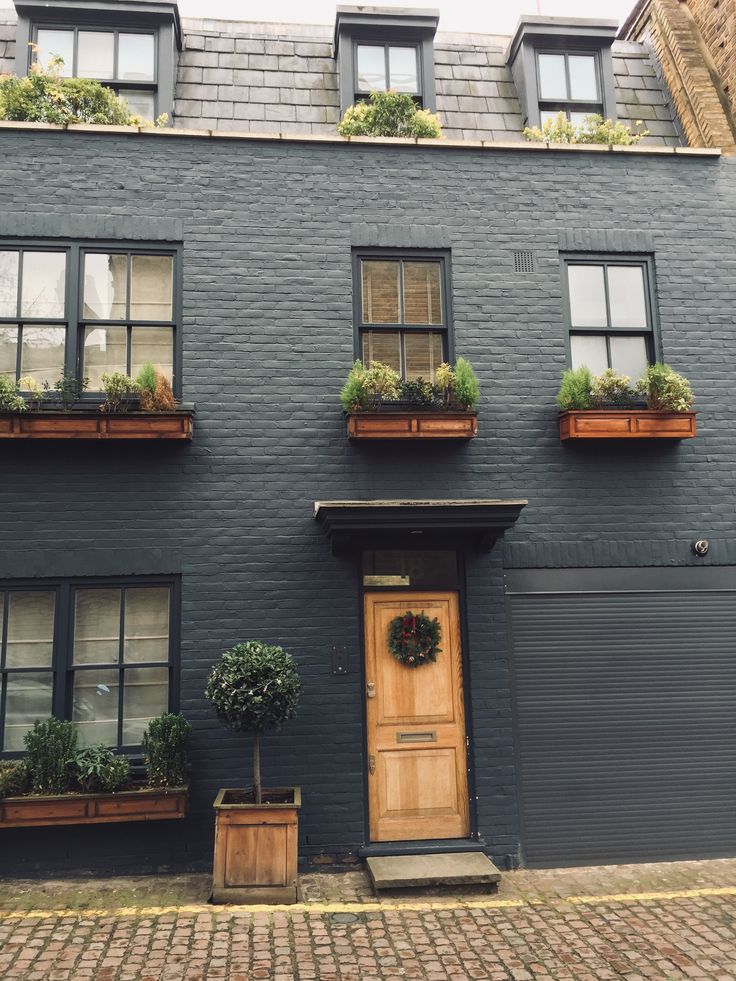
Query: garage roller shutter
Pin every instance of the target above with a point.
(625, 724)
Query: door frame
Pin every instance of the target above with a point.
(461, 589)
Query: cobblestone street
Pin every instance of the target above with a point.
(634, 922)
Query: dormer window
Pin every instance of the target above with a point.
(569, 82)
(563, 65)
(378, 49)
(132, 48)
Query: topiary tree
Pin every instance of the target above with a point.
(389, 114)
(254, 687)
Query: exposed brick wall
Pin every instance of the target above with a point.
(694, 43)
(268, 340)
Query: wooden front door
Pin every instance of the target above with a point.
(417, 778)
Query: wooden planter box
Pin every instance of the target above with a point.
(626, 424)
(256, 848)
(85, 424)
(139, 804)
(406, 424)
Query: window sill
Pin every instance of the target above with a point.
(137, 804)
(92, 424)
(626, 424)
(412, 424)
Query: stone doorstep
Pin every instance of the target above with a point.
(422, 871)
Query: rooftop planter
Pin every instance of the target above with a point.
(141, 409)
(607, 407)
(379, 405)
(56, 784)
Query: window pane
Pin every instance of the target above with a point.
(95, 54)
(422, 293)
(546, 114)
(423, 354)
(9, 264)
(44, 287)
(383, 346)
(139, 103)
(380, 283)
(577, 118)
(95, 707)
(105, 286)
(96, 626)
(629, 355)
(146, 624)
(105, 351)
(30, 630)
(146, 695)
(402, 69)
(587, 296)
(583, 85)
(151, 287)
(42, 354)
(56, 43)
(410, 567)
(371, 68)
(136, 57)
(28, 697)
(552, 84)
(155, 344)
(8, 350)
(589, 350)
(626, 296)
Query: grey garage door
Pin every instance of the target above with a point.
(625, 713)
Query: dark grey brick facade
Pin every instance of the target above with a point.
(267, 230)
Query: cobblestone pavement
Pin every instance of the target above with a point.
(635, 922)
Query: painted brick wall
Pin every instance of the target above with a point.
(267, 231)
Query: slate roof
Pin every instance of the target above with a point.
(272, 77)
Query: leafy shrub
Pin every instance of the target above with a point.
(610, 387)
(13, 778)
(389, 114)
(50, 750)
(254, 687)
(119, 391)
(420, 392)
(35, 393)
(353, 395)
(366, 384)
(10, 400)
(165, 750)
(68, 389)
(98, 769)
(665, 389)
(44, 97)
(444, 380)
(155, 391)
(575, 389)
(466, 390)
(593, 129)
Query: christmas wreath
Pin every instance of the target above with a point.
(414, 639)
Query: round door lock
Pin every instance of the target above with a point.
(701, 547)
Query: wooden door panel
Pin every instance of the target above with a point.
(416, 726)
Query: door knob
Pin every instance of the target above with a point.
(370, 690)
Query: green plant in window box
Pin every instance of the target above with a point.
(35, 393)
(13, 778)
(611, 389)
(98, 769)
(665, 389)
(155, 390)
(466, 388)
(593, 129)
(51, 747)
(10, 399)
(68, 389)
(420, 392)
(120, 392)
(390, 114)
(575, 389)
(165, 750)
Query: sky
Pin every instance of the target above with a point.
(481, 16)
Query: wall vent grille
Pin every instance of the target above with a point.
(524, 261)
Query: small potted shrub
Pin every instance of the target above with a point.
(255, 687)
(165, 751)
(608, 406)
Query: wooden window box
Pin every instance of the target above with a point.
(86, 424)
(138, 804)
(626, 424)
(412, 425)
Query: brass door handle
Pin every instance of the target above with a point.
(370, 690)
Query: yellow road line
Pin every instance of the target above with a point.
(383, 906)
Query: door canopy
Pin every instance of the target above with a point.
(351, 524)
